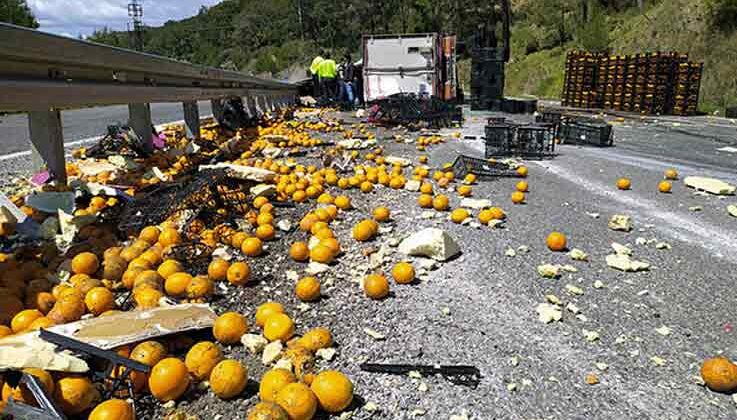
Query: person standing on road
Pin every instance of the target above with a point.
(314, 71)
(328, 72)
(345, 84)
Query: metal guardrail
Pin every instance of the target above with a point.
(42, 73)
(40, 70)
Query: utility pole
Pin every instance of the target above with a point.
(135, 27)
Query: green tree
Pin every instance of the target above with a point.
(18, 13)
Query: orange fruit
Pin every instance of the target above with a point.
(459, 215)
(321, 254)
(228, 379)
(169, 379)
(113, 409)
(99, 300)
(177, 283)
(364, 231)
(6, 331)
(381, 214)
(624, 184)
(267, 309)
(200, 287)
(342, 202)
(469, 179)
(522, 186)
(75, 394)
(39, 323)
(324, 233)
(150, 234)
(252, 247)
(665, 187)
(274, 381)
(265, 232)
(147, 298)
(440, 202)
(403, 273)
(332, 244)
(671, 174)
(720, 374)
(23, 319)
(267, 411)
(518, 197)
(299, 251)
(201, 358)
(425, 201)
(229, 327)
(305, 225)
(279, 327)
(316, 339)
(522, 171)
(218, 269)
(85, 263)
(465, 191)
(169, 237)
(148, 352)
(307, 289)
(238, 273)
(258, 202)
(22, 394)
(68, 308)
(556, 241)
(334, 391)
(376, 286)
(298, 401)
(264, 219)
(237, 240)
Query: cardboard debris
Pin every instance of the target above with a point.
(394, 160)
(8, 222)
(620, 249)
(621, 223)
(271, 353)
(353, 144)
(710, 185)
(472, 203)
(547, 313)
(732, 209)
(30, 351)
(133, 326)
(263, 190)
(51, 202)
(70, 224)
(95, 167)
(578, 255)
(624, 262)
(412, 185)
(432, 243)
(248, 173)
(549, 271)
(272, 152)
(254, 343)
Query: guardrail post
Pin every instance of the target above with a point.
(47, 143)
(140, 122)
(217, 108)
(191, 119)
(250, 105)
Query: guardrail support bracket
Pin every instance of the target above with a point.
(140, 122)
(217, 108)
(47, 143)
(191, 120)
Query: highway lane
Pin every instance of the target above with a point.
(84, 123)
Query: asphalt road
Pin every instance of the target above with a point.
(84, 123)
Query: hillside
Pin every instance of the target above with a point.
(280, 37)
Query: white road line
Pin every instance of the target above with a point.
(684, 228)
(74, 143)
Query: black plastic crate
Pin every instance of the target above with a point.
(483, 169)
(535, 141)
(499, 137)
(587, 132)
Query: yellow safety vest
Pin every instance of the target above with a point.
(315, 67)
(327, 69)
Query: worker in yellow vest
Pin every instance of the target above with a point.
(328, 72)
(314, 71)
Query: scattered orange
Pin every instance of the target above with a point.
(150, 234)
(425, 201)
(252, 247)
(218, 269)
(148, 352)
(556, 241)
(403, 273)
(21, 393)
(665, 187)
(113, 409)
(228, 379)
(274, 381)
(298, 401)
(522, 186)
(321, 254)
(147, 298)
(465, 190)
(169, 379)
(177, 283)
(299, 251)
(267, 411)
(201, 358)
(376, 286)
(307, 289)
(264, 219)
(342, 202)
(238, 273)
(518, 197)
(316, 339)
(624, 184)
(85, 263)
(720, 374)
(671, 174)
(440, 203)
(363, 231)
(265, 232)
(23, 319)
(279, 327)
(334, 391)
(229, 327)
(169, 237)
(75, 394)
(381, 214)
(99, 300)
(522, 171)
(265, 310)
(459, 215)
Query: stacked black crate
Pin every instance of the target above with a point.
(487, 78)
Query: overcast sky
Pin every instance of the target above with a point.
(74, 17)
